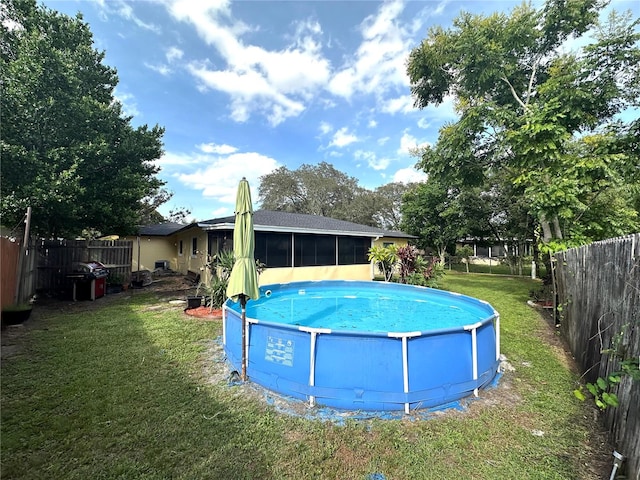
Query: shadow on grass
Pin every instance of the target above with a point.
(112, 393)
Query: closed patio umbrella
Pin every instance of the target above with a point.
(243, 282)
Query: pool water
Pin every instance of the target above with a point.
(347, 306)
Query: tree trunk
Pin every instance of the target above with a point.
(546, 229)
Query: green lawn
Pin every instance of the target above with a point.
(493, 268)
(125, 390)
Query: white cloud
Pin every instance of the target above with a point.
(383, 140)
(409, 175)
(129, 105)
(342, 138)
(372, 124)
(409, 143)
(379, 63)
(219, 178)
(170, 160)
(173, 54)
(275, 83)
(124, 10)
(223, 149)
(325, 128)
(424, 123)
(402, 104)
(162, 69)
(222, 212)
(372, 159)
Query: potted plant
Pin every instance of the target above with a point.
(200, 297)
(212, 290)
(16, 314)
(115, 283)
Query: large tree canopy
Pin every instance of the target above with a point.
(67, 149)
(322, 190)
(535, 123)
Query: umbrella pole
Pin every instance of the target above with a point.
(243, 304)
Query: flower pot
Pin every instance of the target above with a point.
(15, 314)
(113, 288)
(194, 301)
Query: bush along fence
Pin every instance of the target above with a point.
(56, 259)
(599, 311)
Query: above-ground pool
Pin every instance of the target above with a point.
(365, 345)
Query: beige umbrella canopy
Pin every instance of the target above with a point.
(243, 282)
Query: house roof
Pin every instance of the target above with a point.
(272, 221)
(161, 229)
(285, 222)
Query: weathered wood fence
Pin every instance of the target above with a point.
(10, 291)
(56, 259)
(599, 291)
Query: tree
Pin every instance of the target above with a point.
(322, 190)
(530, 114)
(67, 149)
(385, 258)
(465, 252)
(313, 189)
(431, 213)
(388, 213)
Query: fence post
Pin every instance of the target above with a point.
(21, 258)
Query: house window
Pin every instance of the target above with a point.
(353, 250)
(194, 246)
(387, 244)
(314, 250)
(212, 245)
(219, 241)
(180, 248)
(273, 249)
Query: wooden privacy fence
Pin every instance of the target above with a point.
(56, 259)
(10, 263)
(10, 252)
(599, 292)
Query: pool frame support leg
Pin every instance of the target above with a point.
(474, 353)
(405, 370)
(405, 360)
(312, 368)
(497, 328)
(313, 335)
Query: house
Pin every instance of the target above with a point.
(293, 246)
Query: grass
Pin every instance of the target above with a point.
(125, 391)
(496, 268)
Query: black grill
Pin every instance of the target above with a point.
(88, 271)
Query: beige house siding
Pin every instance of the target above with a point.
(398, 242)
(152, 249)
(188, 261)
(156, 248)
(328, 272)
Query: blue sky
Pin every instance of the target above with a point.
(243, 88)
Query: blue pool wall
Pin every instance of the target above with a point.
(365, 370)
